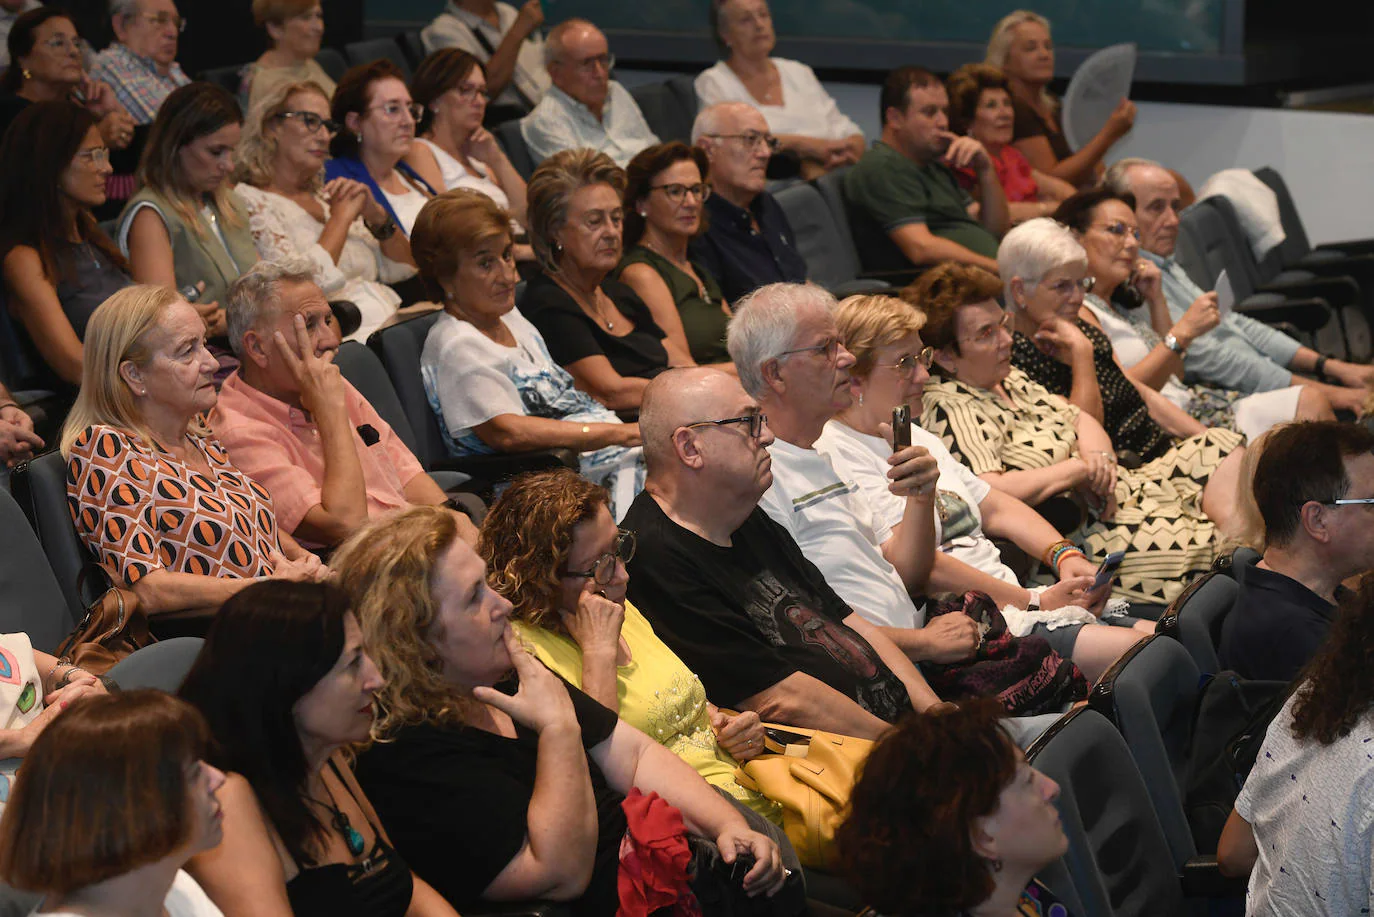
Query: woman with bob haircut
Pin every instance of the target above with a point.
(295, 30)
(186, 228)
(287, 686)
(292, 213)
(498, 797)
(597, 328)
(58, 264)
(487, 370)
(1024, 440)
(114, 797)
(154, 495)
(553, 549)
(665, 198)
(948, 819)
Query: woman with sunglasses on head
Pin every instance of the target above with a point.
(552, 549)
(293, 213)
(377, 119)
(665, 197)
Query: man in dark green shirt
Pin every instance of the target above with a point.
(904, 204)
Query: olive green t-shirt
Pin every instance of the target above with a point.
(703, 319)
(885, 190)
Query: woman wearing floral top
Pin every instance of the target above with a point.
(152, 494)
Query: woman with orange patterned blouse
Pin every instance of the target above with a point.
(152, 494)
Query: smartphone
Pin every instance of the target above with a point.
(1107, 572)
(1127, 296)
(901, 427)
(190, 292)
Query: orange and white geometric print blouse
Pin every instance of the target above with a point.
(139, 509)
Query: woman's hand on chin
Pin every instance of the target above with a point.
(541, 702)
(596, 622)
(1062, 340)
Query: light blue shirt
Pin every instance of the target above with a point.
(560, 122)
(1240, 353)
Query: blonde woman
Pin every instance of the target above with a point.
(153, 494)
(293, 213)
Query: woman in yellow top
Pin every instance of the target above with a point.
(553, 550)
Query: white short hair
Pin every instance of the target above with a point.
(1033, 249)
(765, 324)
(1118, 180)
(709, 119)
(257, 289)
(123, 8)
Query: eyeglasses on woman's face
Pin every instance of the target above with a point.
(678, 193)
(1063, 289)
(1120, 230)
(393, 111)
(989, 332)
(603, 570)
(95, 156)
(311, 121)
(906, 365)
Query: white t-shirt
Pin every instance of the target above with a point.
(21, 698)
(958, 521)
(1309, 805)
(184, 899)
(823, 509)
(407, 206)
(456, 175)
(806, 109)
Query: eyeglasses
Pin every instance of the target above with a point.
(469, 92)
(96, 156)
(1120, 230)
(313, 122)
(1065, 288)
(678, 193)
(603, 571)
(906, 366)
(755, 422)
(1354, 502)
(394, 110)
(162, 20)
(591, 64)
(829, 348)
(750, 139)
(63, 43)
(988, 332)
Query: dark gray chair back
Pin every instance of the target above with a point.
(1196, 617)
(399, 347)
(162, 665)
(665, 111)
(365, 52)
(830, 260)
(1295, 244)
(1208, 247)
(227, 78)
(34, 602)
(365, 372)
(1118, 856)
(513, 142)
(831, 187)
(413, 46)
(40, 488)
(332, 62)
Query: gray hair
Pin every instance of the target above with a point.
(123, 8)
(258, 289)
(1033, 249)
(1117, 180)
(553, 43)
(710, 119)
(765, 324)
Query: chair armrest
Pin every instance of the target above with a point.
(1309, 314)
(861, 285)
(494, 468)
(1349, 247)
(1337, 291)
(1202, 878)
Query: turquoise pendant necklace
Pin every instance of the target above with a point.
(352, 838)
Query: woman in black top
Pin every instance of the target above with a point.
(501, 796)
(599, 329)
(57, 264)
(286, 685)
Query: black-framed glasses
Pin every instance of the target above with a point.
(603, 571)
(313, 122)
(754, 423)
(988, 332)
(467, 92)
(678, 193)
(829, 348)
(908, 363)
(750, 139)
(1066, 287)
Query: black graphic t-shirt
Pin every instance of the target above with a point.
(745, 617)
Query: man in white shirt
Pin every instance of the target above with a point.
(508, 43)
(11, 10)
(784, 343)
(584, 107)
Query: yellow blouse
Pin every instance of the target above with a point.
(659, 696)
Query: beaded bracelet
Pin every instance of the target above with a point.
(1065, 555)
(1047, 556)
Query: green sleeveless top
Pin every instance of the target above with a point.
(199, 256)
(703, 320)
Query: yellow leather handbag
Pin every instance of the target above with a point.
(812, 781)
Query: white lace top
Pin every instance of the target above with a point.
(282, 228)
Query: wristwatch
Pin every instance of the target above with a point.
(383, 232)
(1033, 604)
(1174, 344)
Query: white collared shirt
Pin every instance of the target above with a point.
(560, 122)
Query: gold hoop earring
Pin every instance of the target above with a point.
(26, 73)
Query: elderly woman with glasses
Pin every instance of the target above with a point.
(1150, 348)
(376, 120)
(1021, 438)
(553, 550)
(293, 213)
(665, 197)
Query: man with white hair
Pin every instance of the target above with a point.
(748, 241)
(584, 108)
(1240, 353)
(784, 342)
(730, 592)
(292, 422)
(140, 64)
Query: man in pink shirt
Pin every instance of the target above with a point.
(292, 422)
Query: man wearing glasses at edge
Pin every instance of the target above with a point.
(1314, 489)
(748, 241)
(584, 108)
(140, 65)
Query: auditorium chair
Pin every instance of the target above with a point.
(162, 665)
(34, 600)
(40, 488)
(831, 260)
(1194, 619)
(517, 151)
(365, 52)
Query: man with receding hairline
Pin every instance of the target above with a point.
(584, 107)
